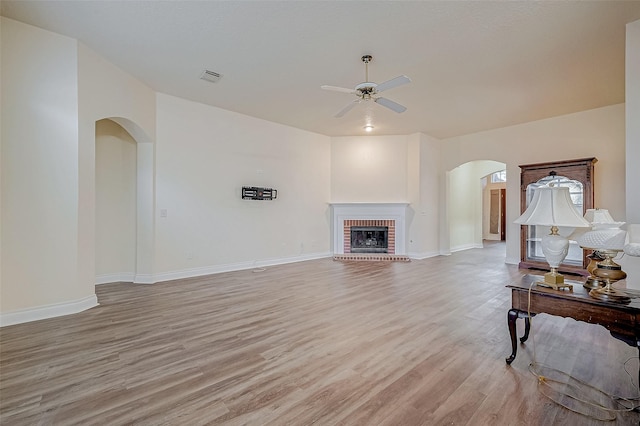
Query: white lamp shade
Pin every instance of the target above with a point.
(603, 239)
(632, 247)
(598, 216)
(552, 206)
(601, 219)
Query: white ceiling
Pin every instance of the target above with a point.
(474, 65)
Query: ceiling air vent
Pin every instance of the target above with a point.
(210, 76)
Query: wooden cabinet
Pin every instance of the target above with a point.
(578, 175)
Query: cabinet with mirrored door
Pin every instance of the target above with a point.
(577, 175)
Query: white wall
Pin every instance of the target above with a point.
(632, 102)
(462, 209)
(105, 91)
(116, 168)
(369, 169)
(48, 167)
(392, 169)
(465, 203)
(423, 189)
(39, 170)
(632, 89)
(204, 155)
(596, 133)
(1, 21)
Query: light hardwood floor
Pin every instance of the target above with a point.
(320, 342)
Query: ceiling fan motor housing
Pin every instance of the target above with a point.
(366, 89)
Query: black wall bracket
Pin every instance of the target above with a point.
(257, 193)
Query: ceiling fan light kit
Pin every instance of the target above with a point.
(369, 90)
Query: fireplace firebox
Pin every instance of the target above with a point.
(369, 239)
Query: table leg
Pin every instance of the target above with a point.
(512, 316)
(527, 327)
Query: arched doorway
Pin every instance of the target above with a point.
(124, 202)
(464, 205)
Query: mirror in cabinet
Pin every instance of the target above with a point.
(577, 175)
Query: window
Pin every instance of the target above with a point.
(500, 176)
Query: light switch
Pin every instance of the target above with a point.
(163, 212)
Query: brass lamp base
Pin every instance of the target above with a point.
(593, 281)
(609, 294)
(554, 280)
(609, 272)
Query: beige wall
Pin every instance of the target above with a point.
(596, 133)
(191, 161)
(39, 170)
(464, 210)
(632, 264)
(48, 169)
(369, 169)
(116, 168)
(204, 155)
(105, 91)
(423, 190)
(392, 169)
(633, 121)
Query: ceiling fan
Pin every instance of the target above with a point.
(369, 90)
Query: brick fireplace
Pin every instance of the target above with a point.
(389, 227)
(391, 216)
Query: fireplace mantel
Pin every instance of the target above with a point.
(368, 211)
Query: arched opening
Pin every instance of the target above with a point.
(465, 203)
(124, 199)
(116, 169)
(494, 209)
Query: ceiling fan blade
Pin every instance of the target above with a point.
(338, 89)
(347, 108)
(394, 106)
(394, 82)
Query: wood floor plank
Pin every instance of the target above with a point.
(319, 342)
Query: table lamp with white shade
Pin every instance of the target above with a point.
(552, 206)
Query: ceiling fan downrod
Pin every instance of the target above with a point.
(366, 59)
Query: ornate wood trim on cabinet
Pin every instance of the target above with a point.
(580, 170)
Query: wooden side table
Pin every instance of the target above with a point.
(622, 321)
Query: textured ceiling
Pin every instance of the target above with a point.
(474, 65)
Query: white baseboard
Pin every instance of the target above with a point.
(466, 247)
(512, 260)
(230, 267)
(126, 277)
(48, 311)
(143, 279)
(424, 255)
